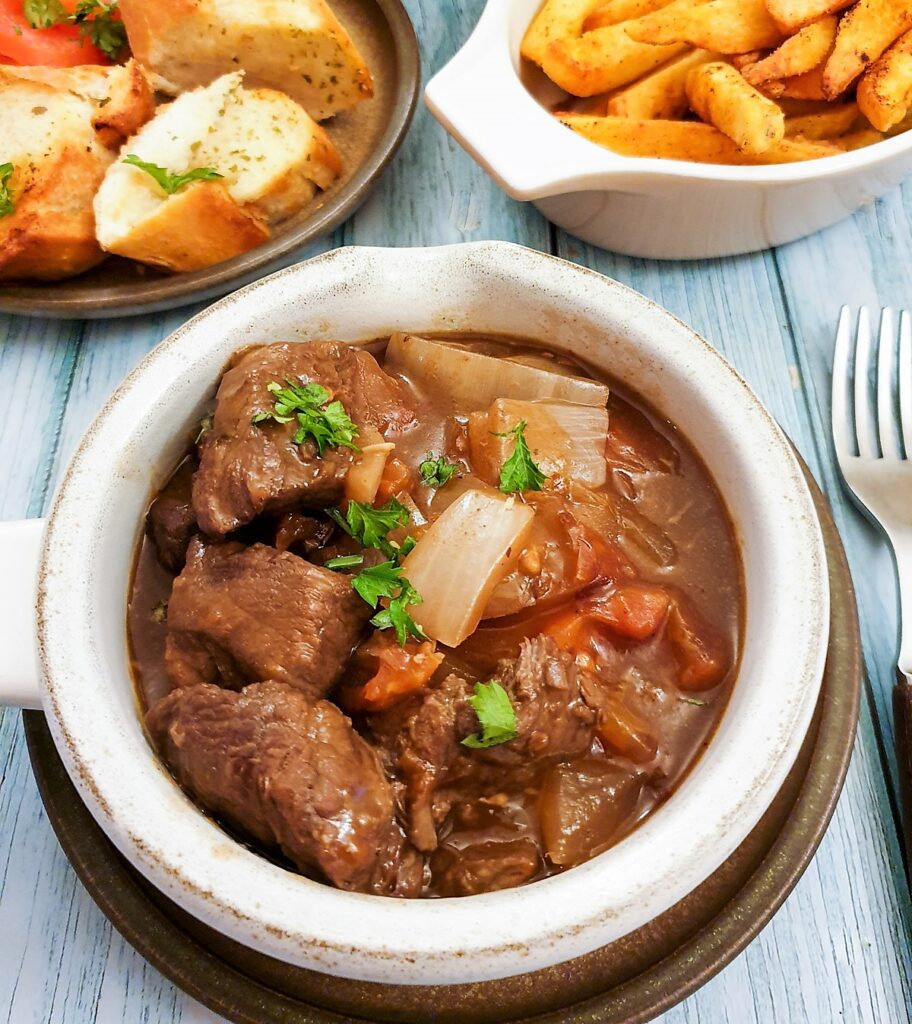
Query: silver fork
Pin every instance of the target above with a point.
(873, 439)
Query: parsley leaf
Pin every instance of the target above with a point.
(437, 472)
(344, 562)
(369, 525)
(168, 182)
(327, 425)
(495, 716)
(6, 193)
(519, 472)
(697, 703)
(98, 21)
(44, 13)
(383, 580)
(396, 616)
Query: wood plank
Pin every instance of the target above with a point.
(836, 950)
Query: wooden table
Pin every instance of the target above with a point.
(839, 950)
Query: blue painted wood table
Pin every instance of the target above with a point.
(839, 949)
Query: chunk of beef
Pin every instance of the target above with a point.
(240, 615)
(171, 523)
(290, 773)
(247, 469)
(552, 719)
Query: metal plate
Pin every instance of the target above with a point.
(628, 982)
(367, 138)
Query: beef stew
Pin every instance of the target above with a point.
(433, 616)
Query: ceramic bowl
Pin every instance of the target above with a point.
(661, 209)
(368, 137)
(71, 659)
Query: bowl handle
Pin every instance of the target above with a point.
(20, 555)
(481, 101)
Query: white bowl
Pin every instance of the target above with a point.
(662, 209)
(84, 563)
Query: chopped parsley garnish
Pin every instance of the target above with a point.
(369, 526)
(44, 13)
(168, 182)
(386, 581)
(695, 701)
(97, 21)
(519, 472)
(396, 615)
(6, 193)
(204, 427)
(495, 716)
(437, 472)
(344, 562)
(325, 423)
(160, 611)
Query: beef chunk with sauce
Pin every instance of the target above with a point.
(239, 615)
(552, 720)
(171, 523)
(247, 469)
(290, 773)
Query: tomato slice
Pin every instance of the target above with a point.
(61, 46)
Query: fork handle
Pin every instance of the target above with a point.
(902, 724)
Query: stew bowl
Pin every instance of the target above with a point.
(70, 656)
(660, 209)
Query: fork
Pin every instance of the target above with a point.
(872, 433)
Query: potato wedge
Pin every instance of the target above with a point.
(829, 124)
(726, 26)
(790, 15)
(605, 59)
(808, 86)
(686, 140)
(802, 52)
(868, 29)
(743, 60)
(662, 94)
(858, 140)
(885, 91)
(720, 96)
(615, 11)
(557, 19)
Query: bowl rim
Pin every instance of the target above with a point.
(533, 156)
(51, 300)
(425, 941)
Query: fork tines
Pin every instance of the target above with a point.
(873, 422)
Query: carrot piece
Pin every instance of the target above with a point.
(400, 671)
(625, 733)
(396, 478)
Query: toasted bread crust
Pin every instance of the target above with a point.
(197, 227)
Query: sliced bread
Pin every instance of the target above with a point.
(270, 156)
(296, 46)
(61, 126)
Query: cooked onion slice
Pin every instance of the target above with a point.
(474, 380)
(363, 480)
(566, 439)
(461, 558)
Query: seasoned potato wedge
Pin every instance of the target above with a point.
(721, 96)
(662, 94)
(885, 91)
(859, 139)
(557, 19)
(615, 11)
(790, 15)
(726, 26)
(808, 86)
(687, 140)
(579, 65)
(828, 124)
(864, 33)
(800, 53)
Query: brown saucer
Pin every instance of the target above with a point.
(367, 138)
(628, 982)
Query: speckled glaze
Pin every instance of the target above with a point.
(660, 209)
(362, 293)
